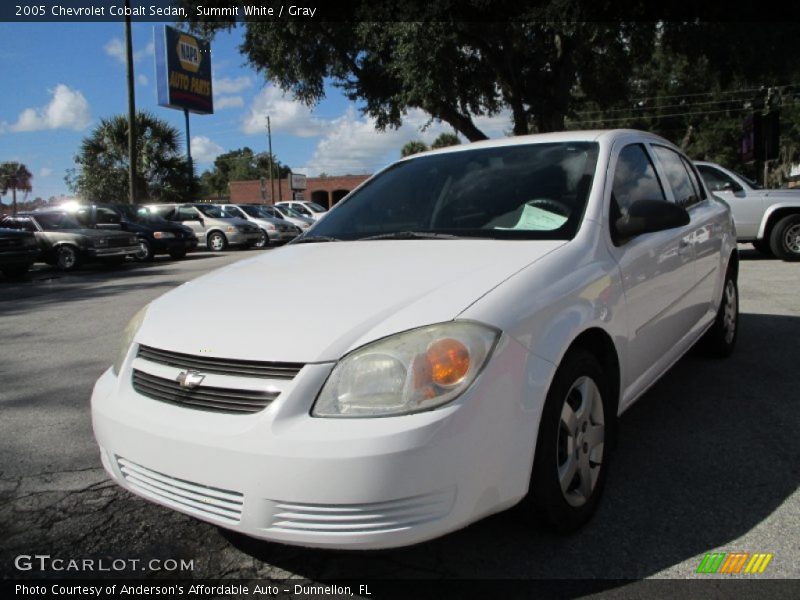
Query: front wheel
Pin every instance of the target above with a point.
(263, 240)
(571, 459)
(66, 258)
(784, 240)
(217, 242)
(145, 253)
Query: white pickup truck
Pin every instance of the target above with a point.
(769, 219)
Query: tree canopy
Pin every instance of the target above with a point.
(101, 173)
(241, 164)
(14, 176)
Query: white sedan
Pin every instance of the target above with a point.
(475, 319)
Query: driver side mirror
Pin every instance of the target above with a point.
(649, 216)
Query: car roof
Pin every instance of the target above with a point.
(588, 135)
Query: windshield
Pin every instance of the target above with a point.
(214, 212)
(55, 221)
(749, 181)
(534, 191)
(253, 211)
(315, 207)
(232, 212)
(290, 212)
(270, 212)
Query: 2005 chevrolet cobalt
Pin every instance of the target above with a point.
(459, 334)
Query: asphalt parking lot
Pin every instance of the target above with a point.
(708, 460)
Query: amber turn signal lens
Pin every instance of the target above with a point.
(449, 361)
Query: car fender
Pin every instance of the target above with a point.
(794, 206)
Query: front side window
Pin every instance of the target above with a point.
(186, 213)
(677, 176)
(716, 180)
(527, 191)
(57, 221)
(634, 179)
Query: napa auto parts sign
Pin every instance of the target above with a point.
(183, 71)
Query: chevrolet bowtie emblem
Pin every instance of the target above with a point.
(190, 379)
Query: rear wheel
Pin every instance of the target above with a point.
(720, 340)
(571, 459)
(784, 240)
(217, 242)
(66, 258)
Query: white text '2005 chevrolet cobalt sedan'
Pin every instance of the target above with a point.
(474, 320)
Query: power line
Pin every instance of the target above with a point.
(656, 116)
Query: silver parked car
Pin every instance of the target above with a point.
(767, 218)
(213, 228)
(272, 230)
(291, 215)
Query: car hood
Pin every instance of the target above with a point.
(315, 302)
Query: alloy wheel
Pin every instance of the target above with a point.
(791, 239)
(731, 311)
(66, 258)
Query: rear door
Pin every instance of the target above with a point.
(657, 269)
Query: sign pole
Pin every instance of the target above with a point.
(131, 108)
(188, 147)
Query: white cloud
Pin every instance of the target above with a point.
(232, 85)
(203, 149)
(115, 48)
(67, 109)
(228, 102)
(353, 145)
(286, 115)
(45, 172)
(142, 79)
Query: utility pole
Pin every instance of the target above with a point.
(131, 108)
(271, 178)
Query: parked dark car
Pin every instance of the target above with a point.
(65, 244)
(18, 251)
(155, 234)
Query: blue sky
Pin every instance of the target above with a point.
(59, 79)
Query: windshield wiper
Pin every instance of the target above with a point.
(314, 238)
(411, 235)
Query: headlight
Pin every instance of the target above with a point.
(163, 235)
(127, 338)
(100, 243)
(406, 373)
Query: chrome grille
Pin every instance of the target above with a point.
(216, 503)
(221, 366)
(201, 397)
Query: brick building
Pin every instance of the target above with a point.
(326, 191)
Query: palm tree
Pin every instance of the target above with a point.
(413, 147)
(102, 162)
(14, 176)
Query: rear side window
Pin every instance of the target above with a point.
(634, 179)
(683, 190)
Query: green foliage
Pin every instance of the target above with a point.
(101, 173)
(444, 140)
(413, 147)
(241, 164)
(15, 177)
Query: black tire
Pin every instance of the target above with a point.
(720, 340)
(145, 253)
(559, 446)
(177, 253)
(784, 239)
(763, 247)
(216, 241)
(66, 257)
(16, 271)
(263, 241)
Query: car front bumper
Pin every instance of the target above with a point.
(111, 252)
(283, 475)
